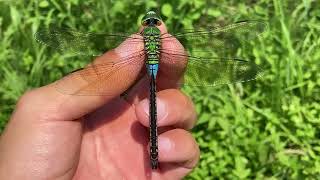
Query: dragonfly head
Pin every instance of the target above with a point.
(151, 19)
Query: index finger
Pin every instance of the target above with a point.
(173, 60)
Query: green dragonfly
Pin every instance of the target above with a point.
(205, 59)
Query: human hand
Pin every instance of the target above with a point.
(56, 136)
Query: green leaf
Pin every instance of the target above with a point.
(214, 12)
(166, 10)
(118, 7)
(44, 4)
(15, 16)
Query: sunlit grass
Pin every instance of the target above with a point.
(268, 128)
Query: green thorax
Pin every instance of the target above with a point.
(151, 36)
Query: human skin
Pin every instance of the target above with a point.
(52, 135)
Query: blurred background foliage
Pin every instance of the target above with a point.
(264, 129)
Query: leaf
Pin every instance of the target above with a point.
(15, 16)
(166, 10)
(214, 12)
(240, 167)
(44, 4)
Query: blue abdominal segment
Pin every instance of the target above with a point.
(153, 69)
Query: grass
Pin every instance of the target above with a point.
(265, 129)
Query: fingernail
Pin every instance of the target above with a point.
(165, 144)
(161, 109)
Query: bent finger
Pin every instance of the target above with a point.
(178, 153)
(173, 109)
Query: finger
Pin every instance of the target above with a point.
(173, 61)
(173, 109)
(178, 153)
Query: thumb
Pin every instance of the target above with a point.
(107, 77)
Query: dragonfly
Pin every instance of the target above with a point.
(205, 57)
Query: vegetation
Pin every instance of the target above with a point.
(268, 128)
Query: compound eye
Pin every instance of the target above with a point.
(144, 23)
(159, 23)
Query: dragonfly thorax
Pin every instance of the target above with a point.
(151, 36)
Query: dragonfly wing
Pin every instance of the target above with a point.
(78, 43)
(212, 71)
(107, 79)
(219, 41)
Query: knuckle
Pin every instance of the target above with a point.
(192, 149)
(189, 141)
(183, 103)
(25, 99)
(35, 104)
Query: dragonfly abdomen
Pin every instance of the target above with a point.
(151, 36)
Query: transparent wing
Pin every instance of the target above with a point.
(78, 43)
(107, 79)
(211, 71)
(219, 41)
